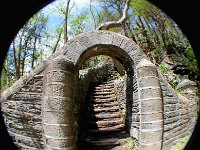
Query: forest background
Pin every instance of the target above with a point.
(47, 31)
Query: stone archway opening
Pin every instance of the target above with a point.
(106, 106)
(103, 122)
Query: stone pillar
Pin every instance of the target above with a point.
(151, 107)
(58, 111)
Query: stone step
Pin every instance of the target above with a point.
(103, 93)
(104, 128)
(104, 87)
(102, 96)
(99, 105)
(40, 76)
(109, 81)
(106, 83)
(106, 142)
(103, 90)
(107, 100)
(102, 135)
(119, 134)
(110, 109)
(117, 128)
(104, 116)
(112, 123)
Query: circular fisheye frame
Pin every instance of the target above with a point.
(100, 75)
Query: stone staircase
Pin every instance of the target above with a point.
(104, 124)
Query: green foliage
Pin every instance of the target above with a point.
(178, 90)
(162, 68)
(183, 54)
(157, 53)
(78, 23)
(181, 143)
(93, 61)
(193, 64)
(173, 81)
(148, 26)
(131, 143)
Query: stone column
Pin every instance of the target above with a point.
(58, 110)
(151, 111)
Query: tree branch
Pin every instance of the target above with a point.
(119, 23)
(92, 14)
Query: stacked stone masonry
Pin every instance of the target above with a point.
(22, 115)
(40, 110)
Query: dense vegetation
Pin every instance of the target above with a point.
(158, 36)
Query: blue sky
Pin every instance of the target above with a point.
(54, 18)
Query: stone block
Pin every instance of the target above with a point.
(149, 136)
(148, 106)
(128, 45)
(60, 143)
(151, 117)
(8, 105)
(60, 76)
(137, 57)
(135, 125)
(171, 114)
(59, 131)
(30, 107)
(152, 125)
(168, 127)
(61, 62)
(31, 142)
(168, 100)
(171, 120)
(11, 114)
(135, 117)
(85, 41)
(150, 92)
(170, 107)
(167, 144)
(134, 132)
(147, 71)
(57, 103)
(135, 103)
(135, 109)
(149, 81)
(117, 40)
(95, 38)
(106, 38)
(183, 112)
(25, 96)
(153, 146)
(59, 89)
(52, 117)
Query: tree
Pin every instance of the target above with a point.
(26, 47)
(157, 35)
(120, 22)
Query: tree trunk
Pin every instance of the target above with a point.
(25, 53)
(66, 21)
(33, 54)
(127, 30)
(17, 68)
(56, 45)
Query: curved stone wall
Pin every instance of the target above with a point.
(33, 107)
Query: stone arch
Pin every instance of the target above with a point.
(146, 123)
